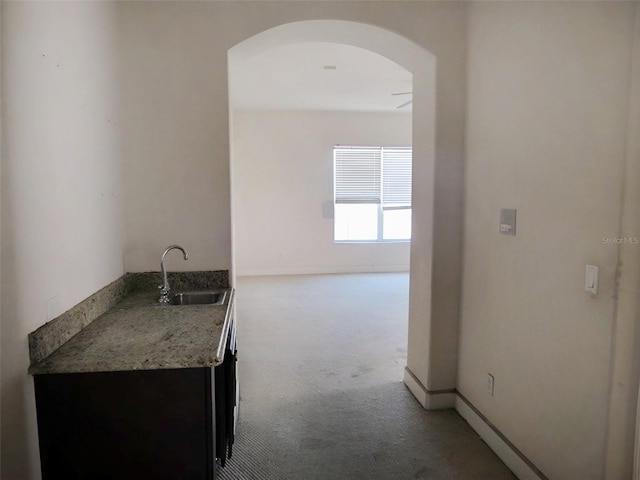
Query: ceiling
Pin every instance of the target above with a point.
(319, 76)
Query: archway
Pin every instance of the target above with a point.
(422, 65)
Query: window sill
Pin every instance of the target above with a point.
(372, 242)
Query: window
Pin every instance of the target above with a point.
(372, 193)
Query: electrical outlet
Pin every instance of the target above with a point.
(490, 383)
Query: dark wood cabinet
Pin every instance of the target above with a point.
(143, 424)
(156, 424)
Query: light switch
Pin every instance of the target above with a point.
(591, 280)
(508, 221)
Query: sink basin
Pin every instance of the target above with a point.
(216, 297)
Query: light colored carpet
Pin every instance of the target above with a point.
(321, 361)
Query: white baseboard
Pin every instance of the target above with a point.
(430, 400)
(636, 450)
(520, 465)
(255, 272)
(505, 450)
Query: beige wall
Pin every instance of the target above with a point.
(548, 96)
(283, 191)
(1, 162)
(97, 124)
(62, 196)
(625, 371)
(122, 107)
(1, 156)
(177, 140)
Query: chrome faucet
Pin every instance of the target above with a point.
(164, 288)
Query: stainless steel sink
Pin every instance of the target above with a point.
(215, 297)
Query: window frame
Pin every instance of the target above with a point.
(380, 200)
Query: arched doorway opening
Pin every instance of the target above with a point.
(422, 66)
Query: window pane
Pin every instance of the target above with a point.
(356, 221)
(397, 224)
(396, 173)
(357, 174)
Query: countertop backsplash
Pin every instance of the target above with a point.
(52, 335)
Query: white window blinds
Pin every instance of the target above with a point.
(358, 174)
(379, 175)
(396, 176)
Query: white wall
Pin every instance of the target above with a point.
(177, 140)
(625, 371)
(548, 87)
(1, 161)
(547, 120)
(62, 197)
(177, 135)
(67, 67)
(547, 112)
(283, 191)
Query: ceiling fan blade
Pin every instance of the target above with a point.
(404, 104)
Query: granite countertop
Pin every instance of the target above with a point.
(140, 334)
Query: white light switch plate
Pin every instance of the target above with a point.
(591, 279)
(508, 221)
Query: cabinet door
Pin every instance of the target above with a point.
(126, 425)
(225, 401)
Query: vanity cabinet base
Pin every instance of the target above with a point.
(157, 424)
